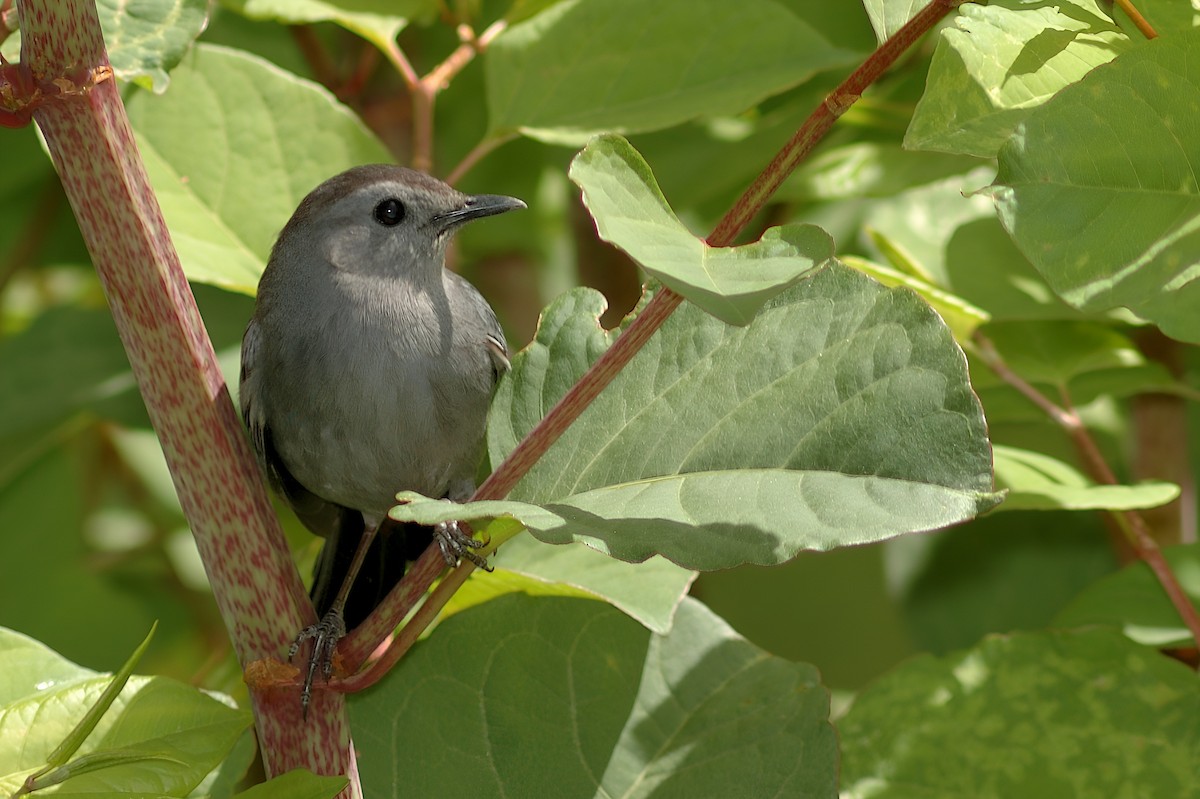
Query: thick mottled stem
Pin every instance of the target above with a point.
(255, 584)
(657, 311)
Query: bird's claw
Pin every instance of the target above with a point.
(457, 545)
(325, 635)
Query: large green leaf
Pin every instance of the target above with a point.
(377, 21)
(1033, 715)
(232, 149)
(841, 415)
(159, 737)
(649, 592)
(954, 587)
(1001, 61)
(1105, 222)
(731, 283)
(836, 374)
(587, 66)
(1134, 602)
(566, 697)
(717, 520)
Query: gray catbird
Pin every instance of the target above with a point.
(367, 369)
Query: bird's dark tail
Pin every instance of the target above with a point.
(385, 564)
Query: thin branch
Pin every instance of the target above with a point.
(440, 76)
(369, 635)
(315, 55)
(1135, 16)
(424, 91)
(1131, 523)
(400, 61)
(353, 85)
(821, 120)
(477, 153)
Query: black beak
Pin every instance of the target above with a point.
(477, 207)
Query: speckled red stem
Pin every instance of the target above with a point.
(257, 588)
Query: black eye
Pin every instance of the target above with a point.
(390, 212)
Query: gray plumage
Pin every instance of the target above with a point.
(368, 367)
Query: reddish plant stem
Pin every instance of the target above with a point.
(821, 120)
(353, 86)
(316, 55)
(1130, 523)
(531, 448)
(477, 153)
(78, 108)
(1135, 16)
(425, 90)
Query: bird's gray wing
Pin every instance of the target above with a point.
(322, 517)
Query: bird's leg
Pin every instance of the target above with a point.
(457, 544)
(326, 633)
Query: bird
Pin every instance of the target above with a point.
(367, 368)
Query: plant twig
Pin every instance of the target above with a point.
(1135, 16)
(315, 55)
(821, 120)
(477, 153)
(369, 635)
(424, 90)
(1131, 523)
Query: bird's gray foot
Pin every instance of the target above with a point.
(457, 545)
(325, 635)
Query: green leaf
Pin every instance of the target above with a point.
(960, 316)
(954, 587)
(870, 169)
(90, 371)
(616, 711)
(1165, 16)
(1133, 601)
(889, 16)
(377, 21)
(145, 40)
(731, 283)
(836, 374)
(70, 744)
(1031, 715)
(1058, 352)
(582, 67)
(1001, 61)
(569, 339)
(159, 737)
(1108, 223)
(232, 149)
(718, 520)
(936, 234)
(854, 392)
(1038, 482)
(296, 784)
(649, 592)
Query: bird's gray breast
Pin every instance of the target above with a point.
(389, 394)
